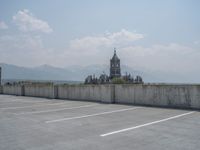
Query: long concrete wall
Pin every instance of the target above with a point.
(181, 96)
(39, 90)
(165, 95)
(99, 93)
(12, 90)
(1, 89)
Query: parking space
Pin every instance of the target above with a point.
(39, 123)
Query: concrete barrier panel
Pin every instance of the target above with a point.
(12, 90)
(182, 96)
(98, 93)
(1, 89)
(193, 96)
(124, 94)
(39, 90)
(150, 95)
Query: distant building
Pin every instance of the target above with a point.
(115, 72)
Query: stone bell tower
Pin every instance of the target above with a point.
(115, 71)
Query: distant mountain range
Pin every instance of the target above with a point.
(79, 73)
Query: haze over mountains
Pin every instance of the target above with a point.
(79, 73)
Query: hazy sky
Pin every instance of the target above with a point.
(148, 34)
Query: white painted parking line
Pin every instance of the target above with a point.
(146, 124)
(54, 110)
(33, 106)
(92, 115)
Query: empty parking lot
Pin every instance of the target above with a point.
(42, 124)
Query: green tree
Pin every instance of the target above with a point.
(118, 81)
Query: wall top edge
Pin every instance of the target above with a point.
(94, 85)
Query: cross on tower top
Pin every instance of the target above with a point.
(114, 50)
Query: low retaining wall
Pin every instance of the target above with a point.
(12, 90)
(181, 96)
(98, 93)
(164, 95)
(1, 89)
(39, 90)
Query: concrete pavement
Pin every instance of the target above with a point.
(28, 123)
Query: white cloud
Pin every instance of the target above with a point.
(197, 42)
(24, 50)
(3, 25)
(26, 21)
(171, 57)
(29, 50)
(98, 50)
(116, 39)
